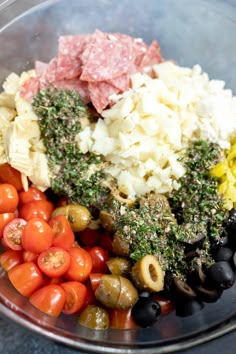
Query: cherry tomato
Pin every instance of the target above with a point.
(10, 175)
(90, 299)
(54, 262)
(5, 218)
(10, 259)
(76, 294)
(8, 198)
(37, 236)
(29, 256)
(50, 299)
(166, 304)
(12, 233)
(31, 195)
(80, 264)
(37, 209)
(63, 201)
(63, 235)
(26, 278)
(57, 281)
(99, 258)
(121, 319)
(95, 279)
(90, 237)
(106, 241)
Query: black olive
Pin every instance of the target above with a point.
(196, 276)
(188, 307)
(231, 222)
(223, 241)
(223, 254)
(182, 289)
(146, 311)
(234, 259)
(220, 275)
(144, 294)
(208, 295)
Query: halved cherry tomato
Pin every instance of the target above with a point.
(121, 319)
(37, 235)
(80, 264)
(50, 299)
(12, 233)
(90, 237)
(5, 218)
(37, 209)
(31, 195)
(95, 279)
(8, 198)
(76, 294)
(26, 278)
(54, 262)
(63, 235)
(29, 256)
(10, 175)
(99, 258)
(166, 304)
(10, 259)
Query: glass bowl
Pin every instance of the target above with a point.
(190, 32)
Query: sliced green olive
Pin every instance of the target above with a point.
(119, 266)
(116, 292)
(119, 246)
(78, 216)
(106, 220)
(147, 274)
(94, 317)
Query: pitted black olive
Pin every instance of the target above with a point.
(234, 259)
(208, 295)
(224, 240)
(196, 276)
(220, 275)
(182, 289)
(145, 294)
(223, 254)
(188, 307)
(146, 311)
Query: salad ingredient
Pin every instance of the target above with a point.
(78, 216)
(208, 295)
(121, 319)
(49, 299)
(99, 258)
(116, 292)
(94, 317)
(5, 218)
(26, 278)
(119, 266)
(147, 274)
(31, 195)
(12, 233)
(181, 289)
(146, 311)
(188, 307)
(8, 198)
(63, 234)
(29, 256)
(221, 275)
(80, 264)
(223, 254)
(37, 236)
(76, 294)
(37, 209)
(10, 258)
(54, 262)
(10, 175)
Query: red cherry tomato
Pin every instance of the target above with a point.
(90, 237)
(12, 233)
(166, 304)
(121, 319)
(95, 279)
(106, 241)
(26, 278)
(29, 256)
(63, 235)
(90, 299)
(5, 218)
(8, 198)
(50, 299)
(76, 294)
(37, 236)
(10, 259)
(99, 258)
(37, 209)
(54, 262)
(80, 264)
(10, 175)
(31, 195)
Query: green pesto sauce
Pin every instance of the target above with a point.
(75, 175)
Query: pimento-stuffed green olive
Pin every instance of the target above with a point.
(116, 292)
(94, 317)
(78, 216)
(119, 266)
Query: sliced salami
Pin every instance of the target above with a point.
(50, 74)
(120, 82)
(100, 93)
(30, 88)
(152, 56)
(74, 84)
(40, 67)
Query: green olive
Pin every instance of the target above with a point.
(106, 220)
(94, 317)
(119, 246)
(78, 216)
(116, 292)
(119, 266)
